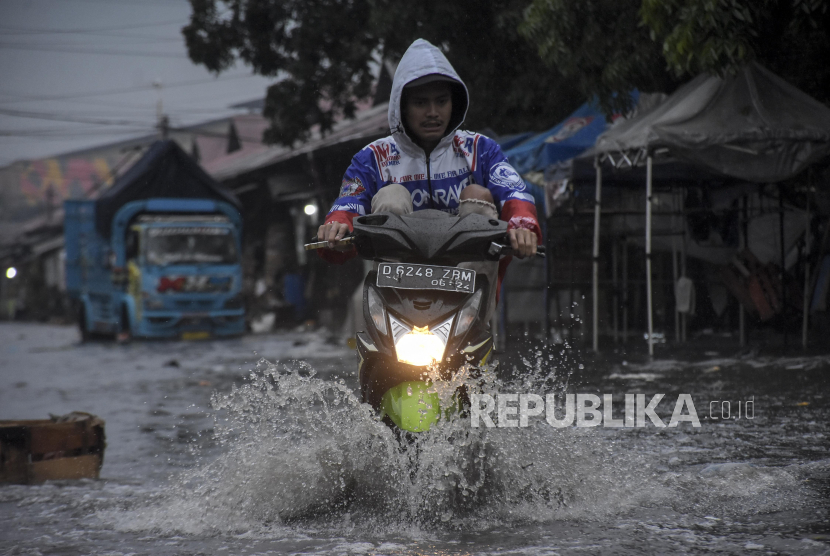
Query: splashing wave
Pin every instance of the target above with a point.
(299, 452)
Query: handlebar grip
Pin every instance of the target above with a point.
(325, 244)
(499, 250)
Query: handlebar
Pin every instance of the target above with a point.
(346, 241)
(499, 250)
(495, 250)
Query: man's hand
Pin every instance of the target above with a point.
(523, 242)
(332, 232)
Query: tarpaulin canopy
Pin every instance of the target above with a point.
(753, 126)
(564, 141)
(507, 142)
(164, 171)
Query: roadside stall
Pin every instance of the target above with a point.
(752, 128)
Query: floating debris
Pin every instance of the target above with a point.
(66, 447)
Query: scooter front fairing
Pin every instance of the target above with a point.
(413, 339)
(424, 314)
(425, 311)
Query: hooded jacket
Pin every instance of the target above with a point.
(434, 181)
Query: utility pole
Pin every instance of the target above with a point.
(163, 121)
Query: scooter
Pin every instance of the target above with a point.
(424, 313)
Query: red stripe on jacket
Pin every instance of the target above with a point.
(518, 214)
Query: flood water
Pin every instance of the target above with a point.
(259, 445)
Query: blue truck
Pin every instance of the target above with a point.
(142, 262)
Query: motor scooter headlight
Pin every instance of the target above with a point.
(376, 310)
(468, 313)
(420, 346)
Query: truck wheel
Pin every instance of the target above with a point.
(124, 335)
(86, 335)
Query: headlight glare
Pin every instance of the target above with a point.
(419, 347)
(467, 315)
(376, 310)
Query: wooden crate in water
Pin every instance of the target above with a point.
(67, 447)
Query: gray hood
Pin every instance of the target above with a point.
(419, 60)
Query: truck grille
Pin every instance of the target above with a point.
(194, 303)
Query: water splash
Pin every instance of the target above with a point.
(301, 453)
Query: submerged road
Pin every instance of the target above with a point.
(258, 445)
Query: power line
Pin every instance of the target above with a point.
(43, 31)
(123, 41)
(48, 133)
(99, 117)
(138, 125)
(45, 48)
(127, 4)
(124, 90)
(64, 118)
(102, 140)
(60, 133)
(123, 107)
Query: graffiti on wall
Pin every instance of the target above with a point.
(55, 179)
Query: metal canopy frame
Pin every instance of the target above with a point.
(645, 157)
(628, 159)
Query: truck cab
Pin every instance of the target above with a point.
(171, 268)
(183, 273)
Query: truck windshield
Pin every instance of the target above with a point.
(190, 244)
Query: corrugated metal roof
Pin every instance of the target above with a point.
(367, 124)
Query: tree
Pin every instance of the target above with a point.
(325, 55)
(600, 46)
(608, 46)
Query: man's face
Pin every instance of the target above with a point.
(427, 112)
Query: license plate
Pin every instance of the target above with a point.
(425, 277)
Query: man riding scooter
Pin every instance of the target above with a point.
(441, 192)
(428, 163)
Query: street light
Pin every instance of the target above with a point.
(11, 272)
(310, 209)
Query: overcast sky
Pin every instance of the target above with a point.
(80, 73)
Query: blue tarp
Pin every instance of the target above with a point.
(507, 142)
(564, 141)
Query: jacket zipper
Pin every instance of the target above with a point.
(429, 183)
